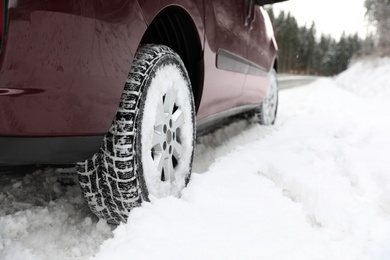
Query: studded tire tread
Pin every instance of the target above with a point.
(109, 179)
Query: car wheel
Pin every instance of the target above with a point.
(267, 111)
(149, 148)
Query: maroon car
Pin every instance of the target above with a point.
(120, 87)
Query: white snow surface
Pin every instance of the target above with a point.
(368, 78)
(314, 186)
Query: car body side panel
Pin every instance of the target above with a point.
(261, 54)
(261, 49)
(225, 26)
(225, 30)
(64, 65)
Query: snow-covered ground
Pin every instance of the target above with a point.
(314, 186)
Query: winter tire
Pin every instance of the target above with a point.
(149, 148)
(267, 111)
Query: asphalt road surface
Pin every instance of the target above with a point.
(291, 81)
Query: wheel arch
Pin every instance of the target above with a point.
(275, 66)
(174, 27)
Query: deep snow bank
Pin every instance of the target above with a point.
(368, 78)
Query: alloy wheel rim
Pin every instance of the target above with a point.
(166, 144)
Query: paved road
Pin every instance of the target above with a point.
(290, 81)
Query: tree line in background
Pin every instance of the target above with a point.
(302, 52)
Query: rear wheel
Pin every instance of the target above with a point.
(267, 111)
(149, 148)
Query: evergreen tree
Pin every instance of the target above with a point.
(342, 54)
(300, 52)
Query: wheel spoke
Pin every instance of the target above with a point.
(177, 150)
(169, 101)
(178, 119)
(168, 169)
(160, 116)
(159, 161)
(158, 137)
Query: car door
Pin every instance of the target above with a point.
(261, 50)
(226, 29)
(230, 32)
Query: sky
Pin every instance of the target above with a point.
(331, 16)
